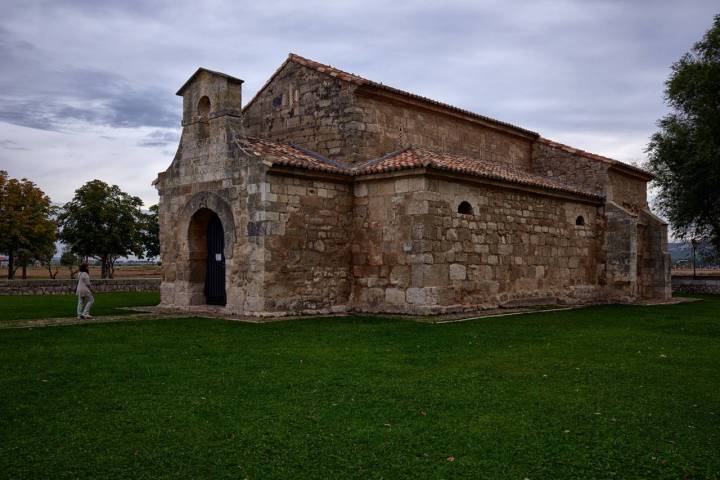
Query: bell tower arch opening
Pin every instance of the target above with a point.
(204, 108)
(203, 111)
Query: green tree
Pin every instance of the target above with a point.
(685, 153)
(46, 259)
(27, 229)
(151, 233)
(104, 222)
(70, 260)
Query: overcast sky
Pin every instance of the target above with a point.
(87, 86)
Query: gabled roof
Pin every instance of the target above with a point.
(637, 171)
(213, 72)
(415, 157)
(358, 80)
(288, 155)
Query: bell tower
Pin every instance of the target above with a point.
(208, 95)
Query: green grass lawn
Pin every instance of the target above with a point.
(25, 307)
(623, 392)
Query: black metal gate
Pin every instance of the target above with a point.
(215, 274)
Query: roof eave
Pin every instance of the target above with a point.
(230, 78)
(279, 168)
(482, 179)
(632, 171)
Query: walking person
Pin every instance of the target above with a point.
(84, 292)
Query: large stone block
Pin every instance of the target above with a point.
(458, 272)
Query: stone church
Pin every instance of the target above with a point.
(328, 192)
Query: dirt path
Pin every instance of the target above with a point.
(155, 313)
(62, 321)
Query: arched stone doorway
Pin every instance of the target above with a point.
(206, 227)
(206, 241)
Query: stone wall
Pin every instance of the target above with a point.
(570, 168)
(627, 191)
(414, 253)
(621, 252)
(66, 286)
(654, 262)
(700, 285)
(302, 241)
(307, 245)
(387, 125)
(307, 108)
(207, 174)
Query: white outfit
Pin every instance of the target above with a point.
(85, 298)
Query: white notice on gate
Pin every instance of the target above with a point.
(218, 256)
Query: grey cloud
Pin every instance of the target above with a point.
(38, 94)
(11, 145)
(158, 138)
(586, 69)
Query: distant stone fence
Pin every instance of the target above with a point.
(699, 284)
(64, 286)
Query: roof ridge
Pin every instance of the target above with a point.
(213, 72)
(294, 57)
(358, 80)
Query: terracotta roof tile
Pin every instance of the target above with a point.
(413, 157)
(358, 80)
(327, 69)
(292, 156)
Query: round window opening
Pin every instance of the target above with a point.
(465, 208)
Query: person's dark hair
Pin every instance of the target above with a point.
(84, 267)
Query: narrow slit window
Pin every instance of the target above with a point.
(204, 117)
(465, 208)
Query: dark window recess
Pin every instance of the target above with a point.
(465, 208)
(277, 101)
(580, 221)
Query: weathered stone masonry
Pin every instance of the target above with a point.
(338, 194)
(413, 251)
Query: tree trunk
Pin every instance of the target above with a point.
(11, 265)
(24, 271)
(103, 266)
